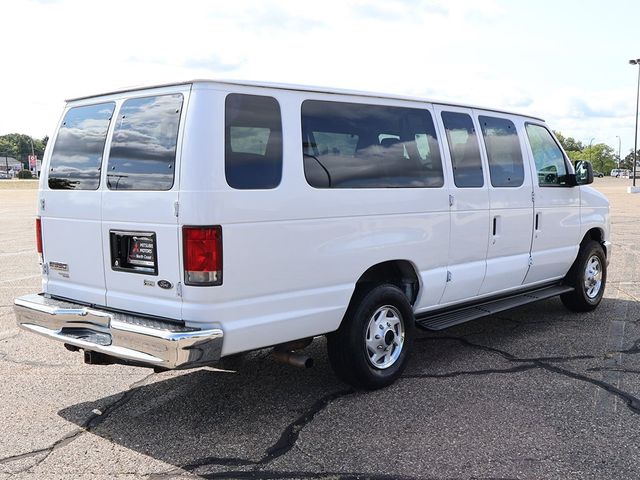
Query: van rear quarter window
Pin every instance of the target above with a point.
(143, 149)
(253, 142)
(352, 145)
(77, 154)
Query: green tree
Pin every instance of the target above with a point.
(7, 148)
(18, 146)
(602, 157)
(569, 144)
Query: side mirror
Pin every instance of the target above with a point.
(584, 172)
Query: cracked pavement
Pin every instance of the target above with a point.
(537, 392)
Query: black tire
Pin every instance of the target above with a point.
(586, 295)
(350, 348)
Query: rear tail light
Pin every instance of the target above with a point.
(202, 248)
(39, 235)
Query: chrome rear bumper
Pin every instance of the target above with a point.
(119, 335)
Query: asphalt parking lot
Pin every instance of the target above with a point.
(533, 393)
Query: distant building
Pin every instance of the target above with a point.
(9, 164)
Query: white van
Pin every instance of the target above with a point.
(183, 223)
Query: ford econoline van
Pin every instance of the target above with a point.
(183, 223)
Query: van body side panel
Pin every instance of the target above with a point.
(293, 254)
(594, 212)
(301, 288)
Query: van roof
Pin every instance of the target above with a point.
(301, 88)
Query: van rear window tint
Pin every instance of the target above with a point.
(77, 154)
(253, 142)
(352, 145)
(143, 149)
(506, 168)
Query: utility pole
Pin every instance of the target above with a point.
(635, 143)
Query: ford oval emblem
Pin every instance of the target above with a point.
(164, 284)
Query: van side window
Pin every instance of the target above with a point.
(253, 142)
(77, 154)
(506, 167)
(352, 145)
(550, 162)
(143, 149)
(464, 149)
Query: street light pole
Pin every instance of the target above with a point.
(635, 142)
(590, 152)
(619, 145)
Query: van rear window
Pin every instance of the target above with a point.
(143, 149)
(352, 145)
(77, 154)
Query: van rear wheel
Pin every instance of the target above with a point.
(588, 277)
(371, 348)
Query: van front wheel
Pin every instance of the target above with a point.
(588, 276)
(371, 348)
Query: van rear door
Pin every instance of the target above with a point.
(70, 205)
(140, 235)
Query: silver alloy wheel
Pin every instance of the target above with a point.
(384, 337)
(593, 277)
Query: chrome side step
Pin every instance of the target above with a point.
(440, 321)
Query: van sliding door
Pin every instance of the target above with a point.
(469, 205)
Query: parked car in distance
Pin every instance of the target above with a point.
(598, 174)
(182, 223)
(620, 172)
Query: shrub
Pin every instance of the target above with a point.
(24, 174)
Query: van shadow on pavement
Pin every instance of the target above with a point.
(235, 424)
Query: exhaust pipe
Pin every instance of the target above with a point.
(299, 360)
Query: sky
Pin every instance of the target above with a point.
(563, 60)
